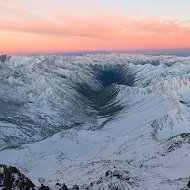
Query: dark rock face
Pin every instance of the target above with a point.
(43, 187)
(4, 58)
(113, 180)
(75, 187)
(186, 136)
(174, 146)
(64, 187)
(177, 142)
(188, 185)
(11, 178)
(109, 174)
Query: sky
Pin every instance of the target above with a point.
(52, 26)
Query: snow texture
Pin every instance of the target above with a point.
(71, 119)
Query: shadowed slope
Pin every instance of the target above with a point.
(103, 98)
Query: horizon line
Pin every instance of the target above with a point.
(143, 51)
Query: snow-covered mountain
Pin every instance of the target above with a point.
(98, 121)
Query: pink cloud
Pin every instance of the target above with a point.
(100, 30)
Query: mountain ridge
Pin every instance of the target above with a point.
(95, 113)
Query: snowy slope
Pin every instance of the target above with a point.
(71, 119)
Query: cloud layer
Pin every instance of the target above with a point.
(25, 28)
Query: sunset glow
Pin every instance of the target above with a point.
(35, 26)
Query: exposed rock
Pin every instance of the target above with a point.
(117, 174)
(177, 141)
(11, 178)
(113, 186)
(75, 187)
(117, 180)
(188, 185)
(186, 136)
(63, 187)
(43, 187)
(174, 146)
(4, 58)
(108, 173)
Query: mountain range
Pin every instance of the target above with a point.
(101, 121)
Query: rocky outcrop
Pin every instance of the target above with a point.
(113, 180)
(178, 141)
(11, 178)
(4, 58)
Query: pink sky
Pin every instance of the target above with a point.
(33, 26)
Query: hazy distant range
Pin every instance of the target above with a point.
(177, 52)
